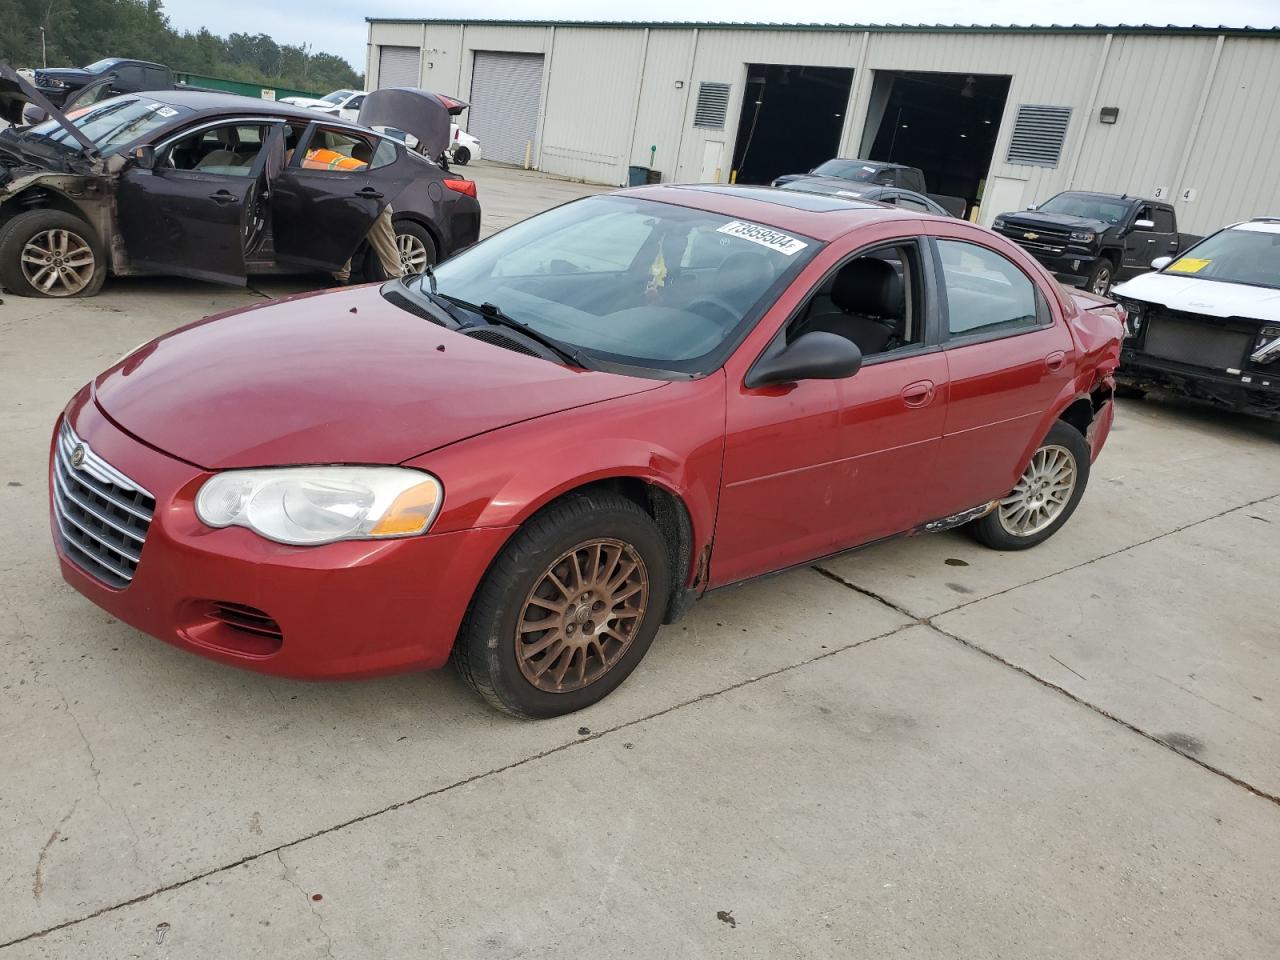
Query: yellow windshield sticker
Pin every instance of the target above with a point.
(1188, 265)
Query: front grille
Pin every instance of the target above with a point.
(1199, 344)
(1045, 241)
(103, 516)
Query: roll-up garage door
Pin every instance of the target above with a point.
(506, 89)
(398, 67)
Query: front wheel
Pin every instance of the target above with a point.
(50, 253)
(568, 609)
(1100, 277)
(1044, 497)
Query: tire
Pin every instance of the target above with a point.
(462, 156)
(999, 529)
(55, 234)
(1101, 275)
(414, 237)
(582, 638)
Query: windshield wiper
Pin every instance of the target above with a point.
(493, 313)
(444, 303)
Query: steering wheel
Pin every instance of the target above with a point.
(715, 309)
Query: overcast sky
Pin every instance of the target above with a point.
(337, 26)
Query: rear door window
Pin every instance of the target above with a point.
(985, 292)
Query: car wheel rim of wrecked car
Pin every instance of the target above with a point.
(1042, 492)
(413, 254)
(582, 615)
(58, 263)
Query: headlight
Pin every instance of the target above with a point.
(1083, 236)
(305, 506)
(1133, 317)
(997, 224)
(55, 82)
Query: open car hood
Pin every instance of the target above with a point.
(419, 113)
(16, 93)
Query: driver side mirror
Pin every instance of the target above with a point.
(1034, 206)
(813, 356)
(144, 158)
(1144, 224)
(1159, 263)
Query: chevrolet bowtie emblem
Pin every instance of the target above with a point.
(77, 456)
(1030, 236)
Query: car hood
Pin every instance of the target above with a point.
(1211, 298)
(16, 93)
(1035, 218)
(341, 377)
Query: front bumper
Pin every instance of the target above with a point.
(344, 610)
(1247, 392)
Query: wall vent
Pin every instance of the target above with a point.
(713, 105)
(1038, 135)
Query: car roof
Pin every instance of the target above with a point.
(1259, 225)
(815, 215)
(201, 102)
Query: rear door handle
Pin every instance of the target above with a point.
(224, 196)
(1055, 360)
(368, 193)
(918, 394)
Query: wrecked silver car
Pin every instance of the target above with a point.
(215, 187)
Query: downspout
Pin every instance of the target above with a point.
(546, 92)
(688, 88)
(1088, 111)
(635, 110)
(1199, 115)
(422, 55)
(462, 50)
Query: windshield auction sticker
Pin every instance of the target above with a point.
(1188, 265)
(766, 237)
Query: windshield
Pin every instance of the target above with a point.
(858, 170)
(1249, 253)
(111, 124)
(631, 281)
(337, 96)
(99, 65)
(1087, 207)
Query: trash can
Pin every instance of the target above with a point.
(638, 176)
(653, 176)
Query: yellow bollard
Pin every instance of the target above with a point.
(528, 153)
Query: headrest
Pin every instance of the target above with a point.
(870, 287)
(743, 268)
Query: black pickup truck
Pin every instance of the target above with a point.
(58, 83)
(1093, 240)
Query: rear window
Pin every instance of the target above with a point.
(849, 170)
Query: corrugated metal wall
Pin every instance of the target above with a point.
(1192, 116)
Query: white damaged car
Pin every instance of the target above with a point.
(1206, 325)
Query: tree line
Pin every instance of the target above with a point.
(78, 32)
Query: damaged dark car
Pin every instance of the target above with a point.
(217, 187)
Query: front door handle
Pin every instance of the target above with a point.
(918, 394)
(368, 193)
(1055, 360)
(223, 197)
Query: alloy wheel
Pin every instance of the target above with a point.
(582, 615)
(413, 254)
(58, 263)
(1041, 494)
(1102, 283)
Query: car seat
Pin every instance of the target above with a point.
(868, 301)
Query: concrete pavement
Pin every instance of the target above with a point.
(923, 748)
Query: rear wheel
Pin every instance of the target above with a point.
(417, 249)
(1044, 497)
(568, 609)
(462, 156)
(50, 253)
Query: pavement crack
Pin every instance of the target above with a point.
(466, 781)
(37, 884)
(869, 593)
(290, 877)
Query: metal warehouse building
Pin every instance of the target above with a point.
(1001, 116)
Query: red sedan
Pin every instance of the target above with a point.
(531, 459)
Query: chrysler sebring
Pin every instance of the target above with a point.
(529, 459)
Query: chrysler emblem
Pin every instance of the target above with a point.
(77, 456)
(1030, 236)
